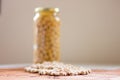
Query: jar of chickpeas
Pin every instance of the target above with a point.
(46, 35)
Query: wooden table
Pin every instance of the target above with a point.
(14, 73)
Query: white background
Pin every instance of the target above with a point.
(90, 30)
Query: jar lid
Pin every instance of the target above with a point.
(41, 9)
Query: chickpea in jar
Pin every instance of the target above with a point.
(46, 45)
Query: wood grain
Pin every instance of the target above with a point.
(20, 74)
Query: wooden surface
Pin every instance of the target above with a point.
(20, 74)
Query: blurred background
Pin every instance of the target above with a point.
(90, 30)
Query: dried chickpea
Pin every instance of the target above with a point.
(46, 35)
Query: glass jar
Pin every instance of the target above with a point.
(46, 35)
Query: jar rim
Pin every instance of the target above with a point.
(42, 9)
